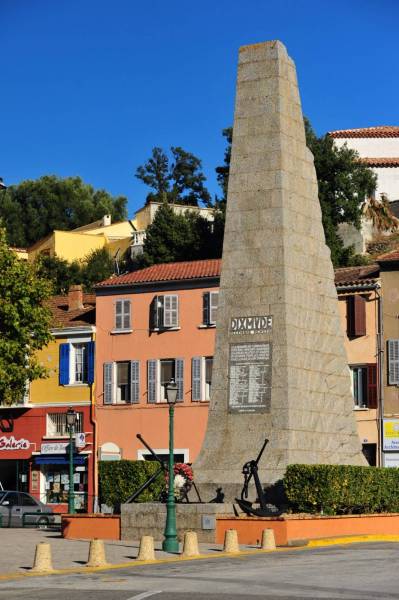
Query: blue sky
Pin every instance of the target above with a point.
(88, 87)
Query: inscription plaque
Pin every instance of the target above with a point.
(250, 377)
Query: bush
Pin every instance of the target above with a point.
(121, 478)
(341, 489)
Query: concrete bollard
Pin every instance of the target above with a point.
(146, 550)
(96, 554)
(231, 541)
(268, 541)
(190, 544)
(42, 562)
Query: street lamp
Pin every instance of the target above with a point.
(71, 418)
(170, 542)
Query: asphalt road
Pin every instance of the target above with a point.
(355, 572)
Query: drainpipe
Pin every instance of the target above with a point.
(380, 367)
(94, 423)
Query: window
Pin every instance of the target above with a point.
(76, 363)
(159, 373)
(122, 315)
(26, 500)
(209, 308)
(393, 362)
(201, 378)
(57, 424)
(122, 382)
(165, 312)
(364, 386)
(355, 316)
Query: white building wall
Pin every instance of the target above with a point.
(388, 177)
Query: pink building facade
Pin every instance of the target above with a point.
(154, 325)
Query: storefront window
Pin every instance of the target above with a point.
(57, 486)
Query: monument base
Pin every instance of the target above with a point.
(148, 518)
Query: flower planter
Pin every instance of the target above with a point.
(289, 528)
(89, 526)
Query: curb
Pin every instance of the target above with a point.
(315, 543)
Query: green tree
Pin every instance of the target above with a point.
(97, 266)
(344, 185)
(178, 179)
(175, 238)
(223, 170)
(34, 208)
(59, 272)
(24, 323)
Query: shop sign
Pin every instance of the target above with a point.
(54, 448)
(80, 440)
(10, 443)
(391, 434)
(391, 460)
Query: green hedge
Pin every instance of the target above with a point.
(341, 489)
(120, 478)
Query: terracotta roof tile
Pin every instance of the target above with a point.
(74, 318)
(382, 131)
(196, 269)
(380, 162)
(352, 275)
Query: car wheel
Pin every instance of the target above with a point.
(43, 523)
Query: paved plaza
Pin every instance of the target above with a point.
(351, 572)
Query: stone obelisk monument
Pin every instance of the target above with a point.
(280, 368)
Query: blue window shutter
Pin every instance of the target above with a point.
(152, 381)
(90, 362)
(64, 364)
(108, 382)
(196, 379)
(179, 372)
(134, 381)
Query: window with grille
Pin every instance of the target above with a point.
(57, 424)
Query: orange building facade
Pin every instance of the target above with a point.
(154, 325)
(159, 323)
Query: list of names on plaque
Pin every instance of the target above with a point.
(250, 375)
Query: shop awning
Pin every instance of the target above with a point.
(59, 460)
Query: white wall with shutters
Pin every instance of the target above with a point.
(393, 362)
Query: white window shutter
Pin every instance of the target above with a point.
(152, 381)
(108, 382)
(126, 314)
(118, 314)
(179, 373)
(214, 299)
(393, 362)
(134, 381)
(196, 379)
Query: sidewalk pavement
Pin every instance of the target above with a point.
(17, 550)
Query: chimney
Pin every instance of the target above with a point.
(106, 220)
(75, 298)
